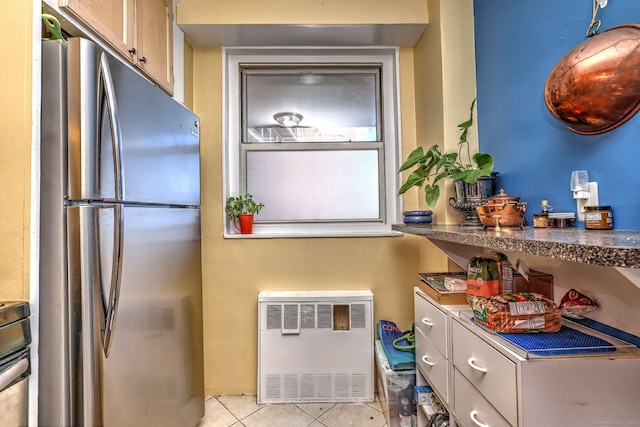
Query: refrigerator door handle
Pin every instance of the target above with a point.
(106, 90)
(93, 285)
(111, 310)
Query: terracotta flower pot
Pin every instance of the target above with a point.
(246, 223)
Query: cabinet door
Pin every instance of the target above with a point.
(432, 322)
(110, 20)
(433, 365)
(472, 408)
(491, 372)
(154, 40)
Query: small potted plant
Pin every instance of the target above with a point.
(433, 166)
(243, 208)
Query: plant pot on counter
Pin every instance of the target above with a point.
(471, 195)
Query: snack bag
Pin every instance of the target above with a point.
(577, 305)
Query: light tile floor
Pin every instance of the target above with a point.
(243, 410)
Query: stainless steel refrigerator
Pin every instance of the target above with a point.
(120, 306)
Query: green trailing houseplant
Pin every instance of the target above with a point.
(243, 208)
(433, 165)
(243, 204)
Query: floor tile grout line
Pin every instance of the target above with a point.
(324, 411)
(238, 420)
(316, 420)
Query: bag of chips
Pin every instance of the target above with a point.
(577, 305)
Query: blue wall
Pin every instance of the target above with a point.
(517, 45)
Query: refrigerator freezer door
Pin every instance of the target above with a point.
(110, 104)
(153, 375)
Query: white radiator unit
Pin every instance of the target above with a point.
(315, 346)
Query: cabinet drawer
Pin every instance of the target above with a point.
(491, 372)
(471, 407)
(433, 365)
(432, 322)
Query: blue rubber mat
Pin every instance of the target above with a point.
(565, 341)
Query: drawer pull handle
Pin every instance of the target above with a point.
(427, 361)
(473, 365)
(427, 321)
(472, 415)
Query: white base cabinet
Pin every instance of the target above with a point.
(484, 382)
(433, 349)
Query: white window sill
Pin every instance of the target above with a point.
(313, 234)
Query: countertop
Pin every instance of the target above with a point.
(613, 248)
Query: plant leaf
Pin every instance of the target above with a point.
(446, 163)
(485, 167)
(466, 125)
(415, 179)
(415, 157)
(458, 174)
(431, 194)
(471, 176)
(440, 176)
(484, 162)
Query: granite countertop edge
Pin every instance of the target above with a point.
(613, 248)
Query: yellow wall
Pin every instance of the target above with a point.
(445, 86)
(297, 12)
(15, 149)
(236, 270)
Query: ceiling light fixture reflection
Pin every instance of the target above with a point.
(287, 119)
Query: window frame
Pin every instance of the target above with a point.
(233, 158)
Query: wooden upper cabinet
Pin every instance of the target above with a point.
(141, 30)
(111, 20)
(154, 40)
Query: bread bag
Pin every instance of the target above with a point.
(516, 313)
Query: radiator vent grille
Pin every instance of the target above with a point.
(324, 315)
(358, 316)
(308, 316)
(274, 317)
(292, 317)
(316, 349)
(314, 387)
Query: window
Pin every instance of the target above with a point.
(313, 134)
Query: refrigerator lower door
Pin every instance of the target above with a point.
(153, 374)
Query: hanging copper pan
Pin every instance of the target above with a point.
(595, 87)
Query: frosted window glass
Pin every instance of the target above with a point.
(315, 185)
(335, 106)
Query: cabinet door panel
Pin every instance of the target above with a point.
(112, 21)
(154, 40)
(433, 365)
(471, 407)
(432, 322)
(492, 373)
